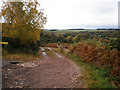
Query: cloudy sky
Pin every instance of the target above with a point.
(63, 14)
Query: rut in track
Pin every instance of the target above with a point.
(58, 72)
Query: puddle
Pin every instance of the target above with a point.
(44, 53)
(59, 55)
(50, 49)
(42, 49)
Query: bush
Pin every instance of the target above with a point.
(54, 45)
(115, 44)
(15, 47)
(95, 53)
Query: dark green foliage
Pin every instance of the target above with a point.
(52, 38)
(115, 44)
(15, 46)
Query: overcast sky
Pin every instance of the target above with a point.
(65, 14)
(80, 13)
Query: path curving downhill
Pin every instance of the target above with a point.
(59, 72)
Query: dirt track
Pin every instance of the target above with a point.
(58, 72)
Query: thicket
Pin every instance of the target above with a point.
(96, 53)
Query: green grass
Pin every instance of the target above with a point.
(95, 77)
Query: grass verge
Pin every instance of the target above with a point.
(95, 77)
(20, 57)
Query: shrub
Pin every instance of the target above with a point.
(95, 53)
(54, 45)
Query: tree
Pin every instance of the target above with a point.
(23, 21)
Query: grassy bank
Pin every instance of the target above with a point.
(95, 77)
(21, 57)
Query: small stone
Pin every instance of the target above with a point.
(76, 82)
(11, 87)
(55, 87)
(19, 87)
(26, 86)
(16, 77)
(21, 83)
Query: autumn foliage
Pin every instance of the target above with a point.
(22, 25)
(97, 54)
(23, 21)
(53, 45)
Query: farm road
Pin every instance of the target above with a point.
(57, 72)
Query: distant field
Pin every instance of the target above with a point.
(68, 31)
(82, 30)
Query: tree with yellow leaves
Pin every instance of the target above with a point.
(23, 21)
